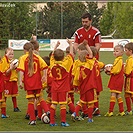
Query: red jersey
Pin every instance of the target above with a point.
(61, 74)
(86, 77)
(117, 76)
(92, 36)
(34, 82)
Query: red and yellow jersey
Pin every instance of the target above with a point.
(97, 66)
(13, 75)
(85, 76)
(1, 78)
(61, 73)
(116, 81)
(128, 70)
(34, 82)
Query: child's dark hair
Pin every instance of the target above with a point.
(129, 46)
(46, 59)
(58, 55)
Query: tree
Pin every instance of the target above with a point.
(119, 16)
(66, 17)
(17, 22)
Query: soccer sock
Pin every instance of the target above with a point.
(14, 100)
(63, 113)
(120, 104)
(90, 110)
(112, 103)
(39, 110)
(85, 109)
(72, 97)
(3, 108)
(128, 102)
(52, 114)
(77, 109)
(44, 105)
(71, 105)
(31, 111)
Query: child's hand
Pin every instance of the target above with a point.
(57, 44)
(85, 42)
(69, 41)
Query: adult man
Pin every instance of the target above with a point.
(88, 32)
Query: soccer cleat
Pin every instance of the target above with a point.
(27, 116)
(64, 124)
(79, 118)
(4, 116)
(95, 110)
(17, 109)
(52, 125)
(121, 114)
(38, 118)
(109, 114)
(90, 120)
(84, 115)
(32, 123)
(128, 113)
(96, 115)
(73, 116)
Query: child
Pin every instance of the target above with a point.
(10, 78)
(2, 94)
(70, 100)
(116, 81)
(85, 80)
(49, 81)
(60, 68)
(128, 71)
(30, 66)
(98, 65)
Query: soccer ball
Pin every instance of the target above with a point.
(107, 68)
(45, 119)
(15, 63)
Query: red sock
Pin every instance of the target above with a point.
(128, 103)
(44, 106)
(120, 104)
(71, 107)
(31, 111)
(52, 115)
(112, 103)
(14, 100)
(90, 111)
(39, 110)
(77, 109)
(63, 113)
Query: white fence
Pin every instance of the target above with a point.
(48, 44)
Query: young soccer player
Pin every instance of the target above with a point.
(70, 100)
(128, 71)
(98, 65)
(30, 66)
(85, 80)
(60, 68)
(116, 81)
(2, 94)
(10, 78)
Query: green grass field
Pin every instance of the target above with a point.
(17, 122)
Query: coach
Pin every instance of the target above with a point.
(88, 32)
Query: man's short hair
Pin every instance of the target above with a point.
(86, 15)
